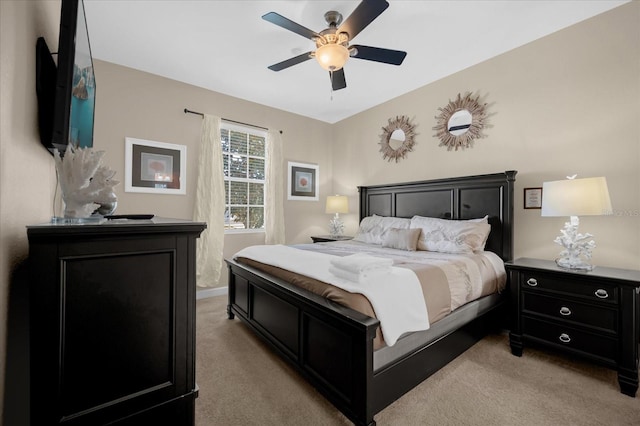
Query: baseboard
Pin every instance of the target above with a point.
(211, 292)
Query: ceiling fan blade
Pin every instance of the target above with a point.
(337, 79)
(288, 24)
(365, 13)
(377, 54)
(290, 62)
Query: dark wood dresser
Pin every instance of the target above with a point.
(113, 322)
(595, 315)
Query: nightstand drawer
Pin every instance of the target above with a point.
(571, 338)
(587, 288)
(569, 310)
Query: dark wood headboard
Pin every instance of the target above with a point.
(466, 197)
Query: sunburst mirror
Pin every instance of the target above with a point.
(460, 122)
(397, 138)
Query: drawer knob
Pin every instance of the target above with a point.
(602, 294)
(565, 311)
(564, 338)
(532, 282)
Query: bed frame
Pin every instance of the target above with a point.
(330, 345)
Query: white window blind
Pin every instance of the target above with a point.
(243, 150)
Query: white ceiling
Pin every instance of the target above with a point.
(226, 47)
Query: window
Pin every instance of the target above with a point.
(243, 151)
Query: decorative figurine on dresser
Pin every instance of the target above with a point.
(113, 322)
(595, 315)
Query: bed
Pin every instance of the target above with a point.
(332, 346)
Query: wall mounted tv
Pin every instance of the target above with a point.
(66, 92)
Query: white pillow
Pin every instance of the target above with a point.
(372, 228)
(479, 220)
(401, 239)
(451, 236)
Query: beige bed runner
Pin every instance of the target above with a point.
(447, 281)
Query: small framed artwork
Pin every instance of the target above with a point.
(533, 198)
(155, 167)
(303, 182)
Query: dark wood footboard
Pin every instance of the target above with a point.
(330, 345)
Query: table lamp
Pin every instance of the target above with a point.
(575, 197)
(337, 204)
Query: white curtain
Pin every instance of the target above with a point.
(209, 204)
(274, 210)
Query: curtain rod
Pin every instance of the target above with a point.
(187, 111)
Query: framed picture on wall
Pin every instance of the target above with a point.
(155, 167)
(533, 198)
(302, 182)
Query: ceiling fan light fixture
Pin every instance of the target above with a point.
(332, 57)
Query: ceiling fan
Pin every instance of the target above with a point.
(332, 44)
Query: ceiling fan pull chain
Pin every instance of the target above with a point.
(331, 79)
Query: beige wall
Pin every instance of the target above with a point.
(27, 172)
(568, 103)
(131, 103)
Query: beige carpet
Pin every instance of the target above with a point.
(243, 383)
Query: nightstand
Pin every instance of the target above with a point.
(594, 315)
(328, 238)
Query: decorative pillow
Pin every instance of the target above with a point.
(451, 236)
(372, 228)
(402, 239)
(479, 220)
(482, 220)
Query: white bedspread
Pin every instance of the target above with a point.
(396, 296)
(463, 274)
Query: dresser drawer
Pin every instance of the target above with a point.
(587, 288)
(601, 317)
(571, 338)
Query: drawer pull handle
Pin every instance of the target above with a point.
(602, 294)
(532, 282)
(564, 338)
(565, 311)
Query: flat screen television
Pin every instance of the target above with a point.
(66, 91)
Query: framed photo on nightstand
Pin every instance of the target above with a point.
(533, 198)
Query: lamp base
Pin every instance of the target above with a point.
(577, 247)
(574, 264)
(336, 226)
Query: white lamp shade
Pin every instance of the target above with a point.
(337, 204)
(332, 57)
(576, 197)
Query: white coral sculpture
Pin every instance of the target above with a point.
(84, 181)
(576, 245)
